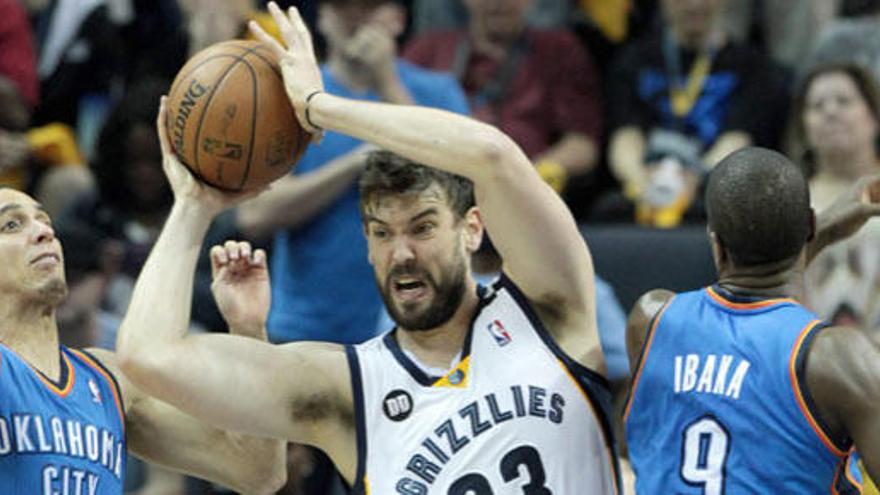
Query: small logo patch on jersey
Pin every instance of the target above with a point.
(398, 405)
(96, 392)
(499, 333)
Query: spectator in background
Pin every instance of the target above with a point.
(319, 253)
(17, 56)
(538, 86)
(80, 56)
(431, 15)
(680, 100)
(854, 37)
(132, 197)
(837, 112)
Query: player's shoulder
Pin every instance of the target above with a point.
(650, 304)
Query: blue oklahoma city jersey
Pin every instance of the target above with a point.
(65, 438)
(719, 402)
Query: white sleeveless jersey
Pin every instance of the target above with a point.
(515, 416)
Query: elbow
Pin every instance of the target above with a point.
(498, 154)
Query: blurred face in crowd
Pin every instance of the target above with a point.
(144, 173)
(420, 251)
(836, 115)
(692, 20)
(33, 263)
(499, 20)
(339, 22)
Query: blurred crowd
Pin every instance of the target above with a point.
(622, 105)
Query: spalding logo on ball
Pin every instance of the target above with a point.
(229, 119)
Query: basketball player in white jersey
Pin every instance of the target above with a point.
(494, 390)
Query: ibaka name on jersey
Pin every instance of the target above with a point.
(475, 419)
(83, 443)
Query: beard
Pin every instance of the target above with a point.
(53, 292)
(447, 296)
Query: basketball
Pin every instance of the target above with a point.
(229, 119)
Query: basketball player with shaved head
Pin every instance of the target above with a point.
(480, 390)
(738, 388)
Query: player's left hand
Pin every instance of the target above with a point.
(241, 287)
(184, 185)
(299, 67)
(852, 209)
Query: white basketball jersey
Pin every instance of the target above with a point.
(515, 416)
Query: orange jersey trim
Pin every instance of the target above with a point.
(645, 351)
(71, 377)
(802, 403)
(752, 305)
(583, 393)
(849, 475)
(71, 374)
(95, 366)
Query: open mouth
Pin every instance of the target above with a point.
(409, 289)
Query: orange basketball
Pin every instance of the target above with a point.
(230, 121)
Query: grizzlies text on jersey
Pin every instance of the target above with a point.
(514, 416)
(719, 402)
(64, 438)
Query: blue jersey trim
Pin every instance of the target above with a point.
(594, 386)
(357, 389)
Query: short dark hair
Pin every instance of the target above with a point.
(387, 173)
(758, 204)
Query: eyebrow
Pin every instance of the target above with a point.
(428, 212)
(18, 206)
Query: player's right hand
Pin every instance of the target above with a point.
(184, 185)
(299, 67)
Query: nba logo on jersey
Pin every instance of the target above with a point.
(96, 392)
(499, 333)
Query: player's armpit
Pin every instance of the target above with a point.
(843, 378)
(164, 435)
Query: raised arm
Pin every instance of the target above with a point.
(299, 392)
(163, 435)
(846, 215)
(540, 244)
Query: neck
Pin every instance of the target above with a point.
(32, 332)
(847, 165)
(782, 279)
(438, 346)
(351, 76)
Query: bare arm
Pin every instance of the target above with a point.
(638, 324)
(626, 154)
(726, 144)
(164, 435)
(843, 377)
(296, 199)
(576, 152)
(234, 382)
(846, 215)
(528, 221)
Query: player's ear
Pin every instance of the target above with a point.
(473, 229)
(719, 254)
